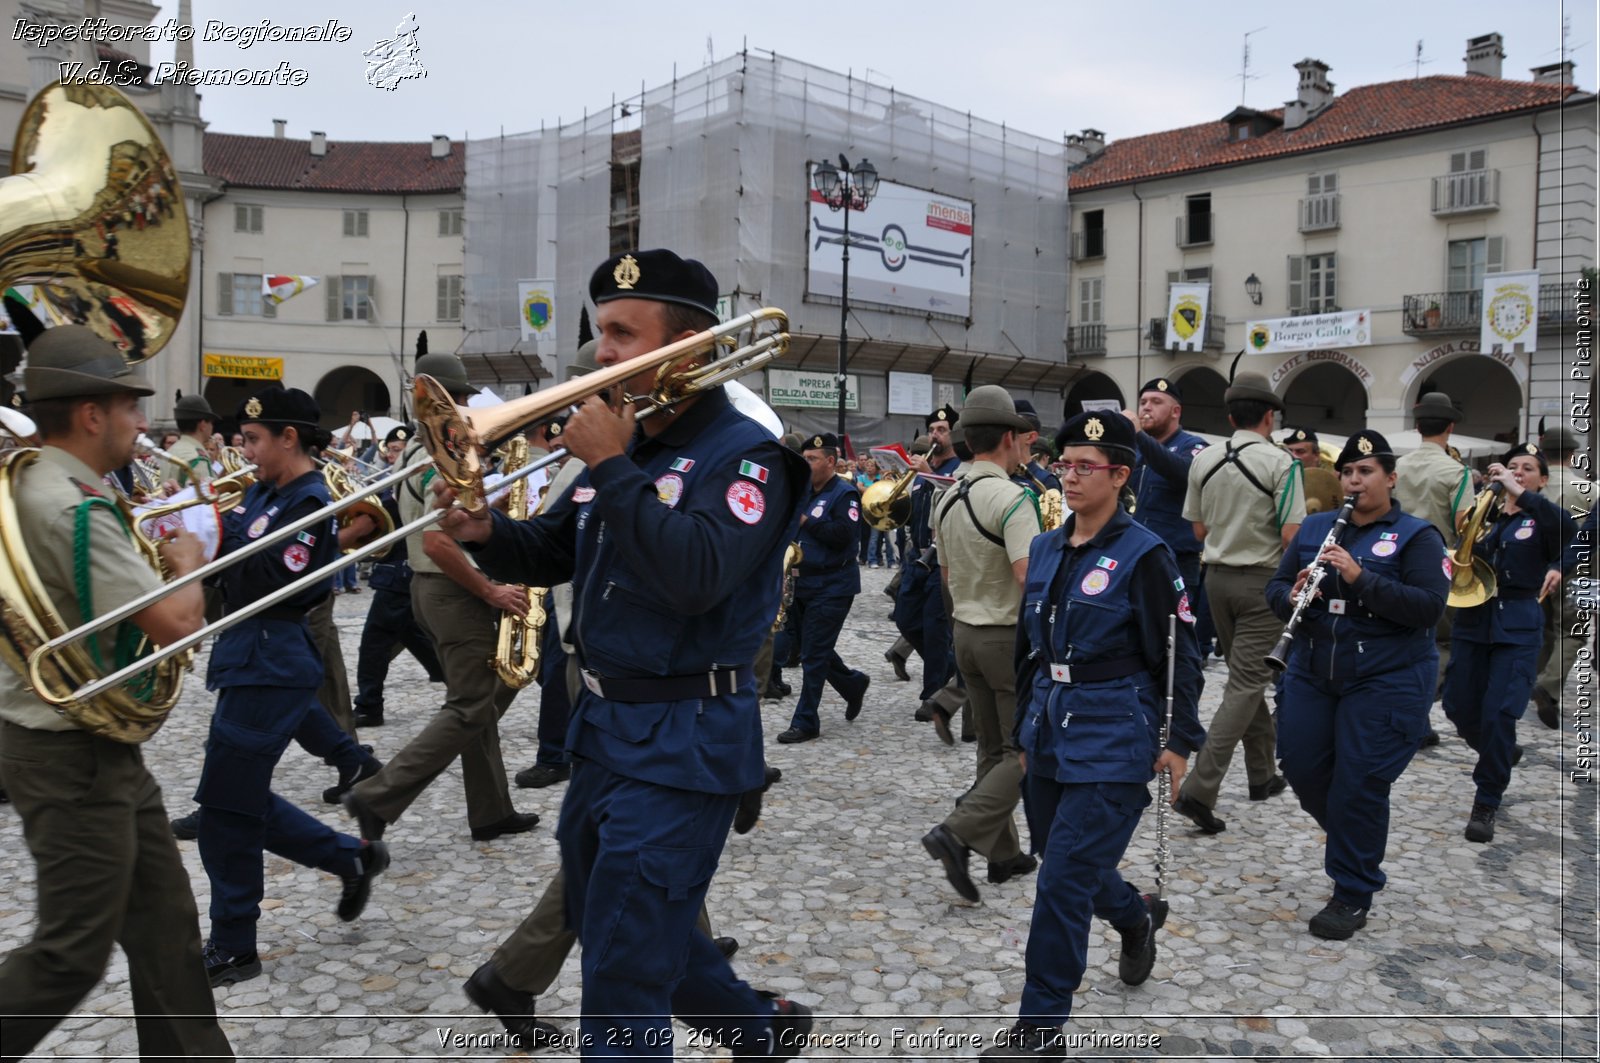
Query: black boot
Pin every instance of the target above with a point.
(514, 1008)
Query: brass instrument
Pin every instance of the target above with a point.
(887, 503)
(519, 644)
(793, 554)
(341, 486)
(1052, 506)
(369, 470)
(458, 434)
(1472, 580)
(1278, 659)
(1323, 489)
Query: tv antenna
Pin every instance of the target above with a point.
(1245, 77)
(1417, 61)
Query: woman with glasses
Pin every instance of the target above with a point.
(1091, 691)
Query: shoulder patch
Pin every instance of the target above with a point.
(296, 556)
(1095, 582)
(755, 472)
(746, 502)
(669, 489)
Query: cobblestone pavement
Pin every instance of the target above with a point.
(1472, 950)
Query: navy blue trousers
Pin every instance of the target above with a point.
(819, 621)
(555, 706)
(389, 623)
(241, 816)
(1486, 691)
(919, 614)
(638, 859)
(1090, 827)
(1342, 746)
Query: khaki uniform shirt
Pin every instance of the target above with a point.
(983, 589)
(1571, 490)
(47, 501)
(1244, 526)
(1432, 485)
(415, 498)
(197, 461)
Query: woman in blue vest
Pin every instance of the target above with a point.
(267, 670)
(1091, 689)
(1488, 683)
(1360, 672)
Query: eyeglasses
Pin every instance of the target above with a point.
(1084, 470)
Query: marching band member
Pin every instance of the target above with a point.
(1360, 675)
(1487, 687)
(108, 869)
(1091, 687)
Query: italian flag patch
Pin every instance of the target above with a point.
(753, 471)
(682, 464)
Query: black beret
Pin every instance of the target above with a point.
(659, 276)
(943, 413)
(1364, 444)
(1300, 435)
(1524, 450)
(1165, 385)
(1095, 428)
(398, 434)
(821, 441)
(282, 407)
(1028, 413)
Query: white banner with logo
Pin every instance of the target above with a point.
(1186, 317)
(1314, 332)
(1510, 312)
(536, 309)
(812, 391)
(909, 249)
(910, 393)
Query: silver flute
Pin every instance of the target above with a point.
(1279, 657)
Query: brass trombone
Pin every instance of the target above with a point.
(457, 439)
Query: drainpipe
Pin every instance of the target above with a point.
(1138, 299)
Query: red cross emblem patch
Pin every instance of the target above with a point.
(746, 502)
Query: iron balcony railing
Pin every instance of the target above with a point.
(1435, 313)
(1214, 337)
(1466, 192)
(1319, 213)
(1088, 243)
(1086, 339)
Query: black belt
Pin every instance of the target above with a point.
(804, 571)
(1512, 594)
(278, 612)
(713, 684)
(1095, 671)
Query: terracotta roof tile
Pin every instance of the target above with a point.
(1368, 112)
(349, 166)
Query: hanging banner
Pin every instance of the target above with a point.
(1510, 312)
(1186, 317)
(910, 393)
(537, 309)
(243, 367)
(281, 287)
(812, 391)
(1315, 332)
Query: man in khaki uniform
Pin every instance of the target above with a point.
(1431, 484)
(1246, 501)
(984, 526)
(1571, 489)
(108, 868)
(196, 422)
(459, 607)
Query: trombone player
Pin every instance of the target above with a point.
(108, 869)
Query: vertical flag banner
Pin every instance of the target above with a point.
(536, 305)
(1186, 317)
(281, 287)
(1510, 312)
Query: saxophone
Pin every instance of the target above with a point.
(1052, 508)
(520, 642)
(792, 556)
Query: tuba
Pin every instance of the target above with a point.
(94, 216)
(1472, 580)
(520, 642)
(342, 486)
(886, 503)
(793, 554)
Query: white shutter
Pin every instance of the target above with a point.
(1495, 256)
(441, 311)
(1458, 162)
(268, 307)
(1297, 299)
(335, 290)
(225, 294)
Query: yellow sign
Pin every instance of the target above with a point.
(243, 366)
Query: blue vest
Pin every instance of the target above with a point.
(1160, 500)
(1519, 546)
(1098, 731)
(828, 572)
(920, 526)
(276, 652)
(1356, 643)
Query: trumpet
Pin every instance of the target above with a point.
(1278, 659)
(455, 437)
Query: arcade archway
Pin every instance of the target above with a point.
(1203, 408)
(224, 394)
(350, 388)
(1488, 395)
(1328, 399)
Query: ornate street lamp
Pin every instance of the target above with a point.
(845, 188)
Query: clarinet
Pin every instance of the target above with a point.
(1279, 657)
(1164, 779)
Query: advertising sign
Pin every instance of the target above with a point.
(1347, 328)
(812, 391)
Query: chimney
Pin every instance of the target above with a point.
(1294, 114)
(184, 52)
(278, 127)
(319, 142)
(1553, 73)
(1075, 152)
(441, 146)
(1484, 55)
(1094, 141)
(1315, 90)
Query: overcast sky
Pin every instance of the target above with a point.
(1047, 68)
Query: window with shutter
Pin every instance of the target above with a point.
(1319, 284)
(450, 222)
(1297, 287)
(1091, 292)
(1467, 262)
(334, 300)
(355, 223)
(449, 299)
(225, 294)
(1495, 255)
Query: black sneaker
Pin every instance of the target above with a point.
(369, 718)
(1430, 739)
(516, 823)
(368, 822)
(1549, 711)
(727, 946)
(368, 768)
(373, 858)
(952, 853)
(1480, 827)
(1023, 1041)
(852, 708)
(899, 664)
(1338, 921)
(1199, 814)
(542, 775)
(514, 1009)
(226, 968)
(1138, 957)
(1271, 788)
(1006, 870)
(187, 828)
(791, 1025)
(794, 736)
